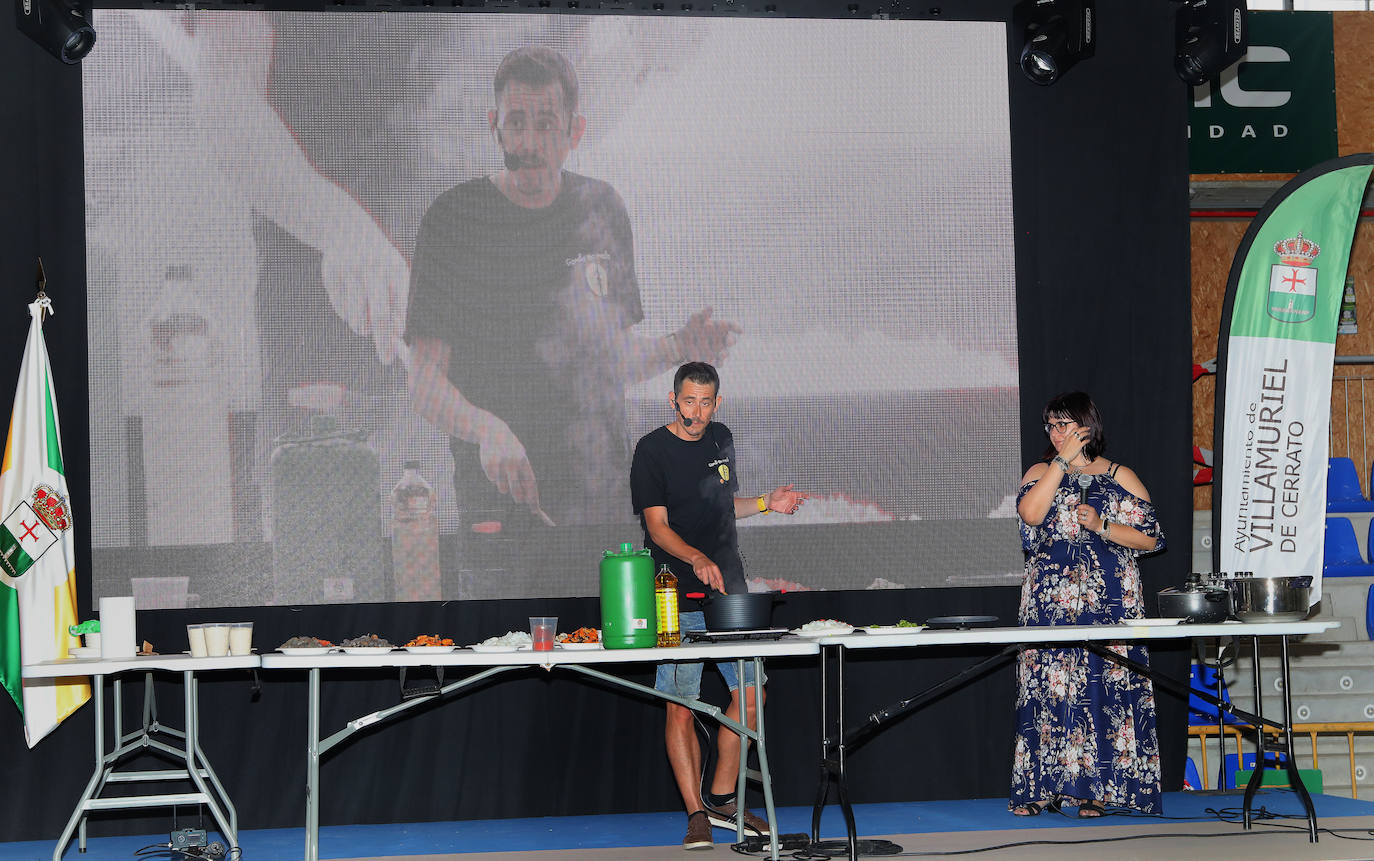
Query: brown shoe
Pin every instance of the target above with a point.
(698, 832)
(723, 816)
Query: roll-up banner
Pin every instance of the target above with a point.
(1277, 351)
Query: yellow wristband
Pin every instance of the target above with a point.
(763, 504)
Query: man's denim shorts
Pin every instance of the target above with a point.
(684, 679)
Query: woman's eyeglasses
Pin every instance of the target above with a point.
(1060, 426)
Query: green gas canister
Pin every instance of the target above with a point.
(627, 599)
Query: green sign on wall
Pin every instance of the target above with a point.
(1275, 110)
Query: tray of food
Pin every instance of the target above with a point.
(367, 644)
(302, 645)
(430, 644)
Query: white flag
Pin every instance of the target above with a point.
(37, 548)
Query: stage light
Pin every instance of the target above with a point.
(62, 27)
(1210, 36)
(1055, 35)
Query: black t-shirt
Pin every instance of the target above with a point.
(533, 304)
(696, 482)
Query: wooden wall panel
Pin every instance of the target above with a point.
(1353, 34)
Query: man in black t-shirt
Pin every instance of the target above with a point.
(683, 483)
(522, 296)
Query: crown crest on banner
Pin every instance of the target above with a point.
(51, 508)
(1296, 251)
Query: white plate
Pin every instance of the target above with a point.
(837, 631)
(367, 650)
(483, 647)
(579, 647)
(1151, 623)
(299, 651)
(894, 629)
(430, 650)
(84, 652)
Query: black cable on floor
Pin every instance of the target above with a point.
(827, 849)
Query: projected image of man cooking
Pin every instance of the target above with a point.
(522, 298)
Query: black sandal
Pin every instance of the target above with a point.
(1035, 808)
(1091, 810)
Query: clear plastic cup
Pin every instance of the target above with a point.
(543, 629)
(241, 638)
(217, 639)
(195, 634)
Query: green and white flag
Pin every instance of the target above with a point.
(37, 547)
(24, 537)
(1277, 350)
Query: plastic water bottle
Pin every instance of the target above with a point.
(414, 537)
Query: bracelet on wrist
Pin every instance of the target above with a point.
(1062, 464)
(1106, 529)
(763, 504)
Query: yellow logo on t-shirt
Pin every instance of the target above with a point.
(724, 470)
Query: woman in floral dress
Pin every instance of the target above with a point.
(1085, 727)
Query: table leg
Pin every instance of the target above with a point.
(767, 779)
(195, 762)
(851, 830)
(78, 817)
(312, 770)
(743, 764)
(823, 786)
(1257, 774)
(1222, 782)
(214, 779)
(1290, 761)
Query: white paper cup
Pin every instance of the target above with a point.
(241, 638)
(217, 639)
(195, 634)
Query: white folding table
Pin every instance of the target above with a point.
(185, 748)
(488, 664)
(1090, 637)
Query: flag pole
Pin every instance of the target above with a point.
(42, 297)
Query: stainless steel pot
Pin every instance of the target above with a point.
(1193, 603)
(1270, 599)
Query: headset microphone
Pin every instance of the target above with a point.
(686, 422)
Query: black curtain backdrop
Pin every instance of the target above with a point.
(1100, 173)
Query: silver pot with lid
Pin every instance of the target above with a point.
(1270, 599)
(1201, 599)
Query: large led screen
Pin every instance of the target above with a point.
(334, 334)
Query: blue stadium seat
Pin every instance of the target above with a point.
(1342, 553)
(1369, 612)
(1343, 487)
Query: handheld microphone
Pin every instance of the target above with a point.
(1084, 482)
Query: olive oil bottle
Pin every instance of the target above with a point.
(665, 600)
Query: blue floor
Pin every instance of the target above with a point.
(657, 829)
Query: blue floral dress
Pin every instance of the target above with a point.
(1085, 728)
